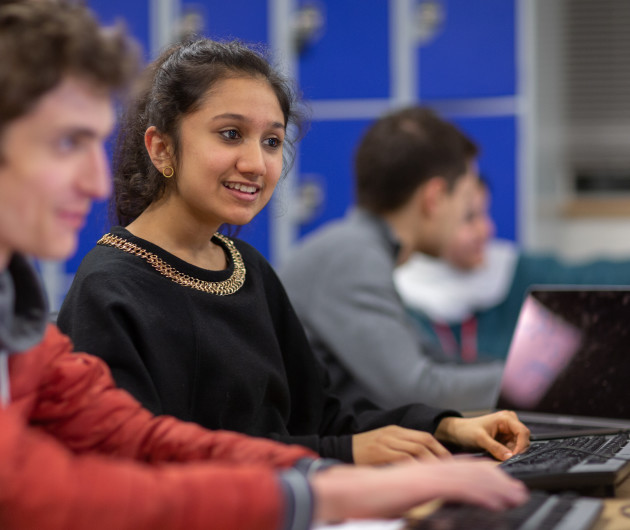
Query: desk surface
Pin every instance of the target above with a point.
(613, 518)
(616, 514)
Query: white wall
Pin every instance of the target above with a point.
(544, 192)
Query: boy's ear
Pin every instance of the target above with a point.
(159, 148)
(431, 194)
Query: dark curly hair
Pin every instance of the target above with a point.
(173, 86)
(404, 149)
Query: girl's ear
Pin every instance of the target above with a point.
(159, 148)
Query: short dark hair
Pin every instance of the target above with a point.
(41, 42)
(403, 150)
(173, 86)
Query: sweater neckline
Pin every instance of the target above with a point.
(222, 283)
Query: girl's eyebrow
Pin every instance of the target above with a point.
(240, 117)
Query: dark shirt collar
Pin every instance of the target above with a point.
(23, 307)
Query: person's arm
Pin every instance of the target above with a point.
(363, 433)
(344, 492)
(76, 454)
(382, 437)
(45, 485)
(357, 315)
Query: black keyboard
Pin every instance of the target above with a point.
(555, 456)
(542, 511)
(567, 463)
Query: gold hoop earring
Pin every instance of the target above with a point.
(169, 170)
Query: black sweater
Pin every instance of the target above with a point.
(239, 362)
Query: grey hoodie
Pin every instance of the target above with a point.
(23, 311)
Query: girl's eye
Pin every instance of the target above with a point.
(231, 134)
(273, 142)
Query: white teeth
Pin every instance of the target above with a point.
(241, 187)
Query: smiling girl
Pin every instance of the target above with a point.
(196, 324)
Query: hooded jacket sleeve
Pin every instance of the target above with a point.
(75, 452)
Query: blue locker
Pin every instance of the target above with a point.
(327, 158)
(474, 54)
(351, 59)
(497, 137)
(245, 20)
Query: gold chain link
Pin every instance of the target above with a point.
(224, 288)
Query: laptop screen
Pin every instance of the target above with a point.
(570, 354)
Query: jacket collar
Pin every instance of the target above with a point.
(381, 227)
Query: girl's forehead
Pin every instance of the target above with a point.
(230, 84)
(252, 94)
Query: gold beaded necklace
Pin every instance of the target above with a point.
(224, 288)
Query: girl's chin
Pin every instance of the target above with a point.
(241, 218)
(238, 221)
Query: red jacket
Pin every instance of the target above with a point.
(78, 453)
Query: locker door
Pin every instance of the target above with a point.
(468, 72)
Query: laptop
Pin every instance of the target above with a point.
(568, 367)
(566, 376)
